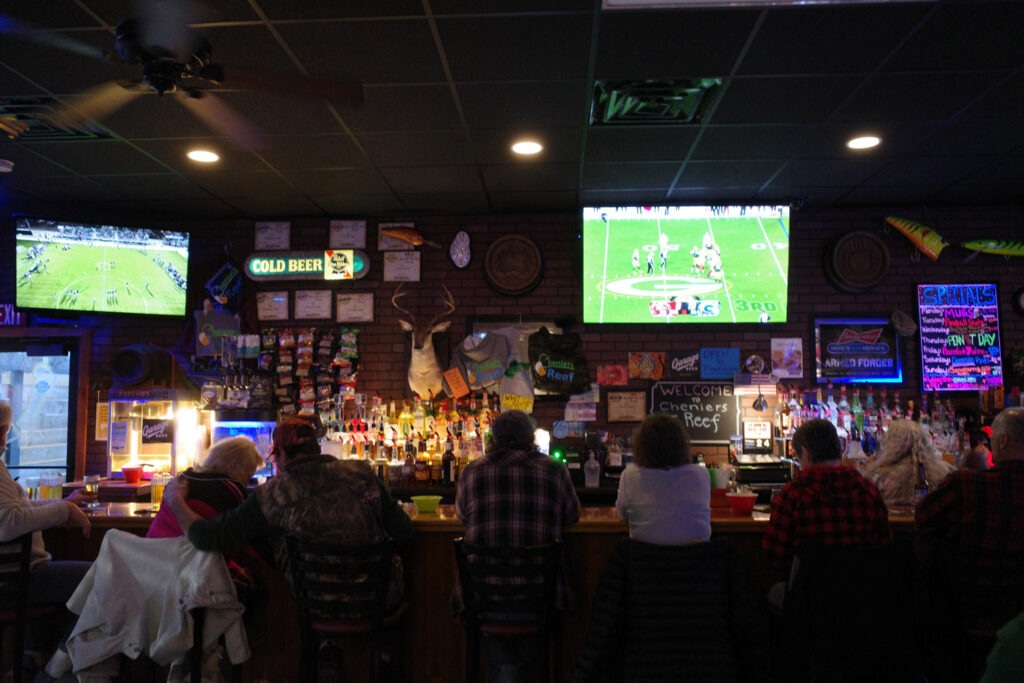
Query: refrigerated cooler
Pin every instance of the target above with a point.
(256, 425)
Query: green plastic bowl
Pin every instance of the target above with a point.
(426, 503)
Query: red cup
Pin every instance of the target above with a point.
(742, 503)
(132, 475)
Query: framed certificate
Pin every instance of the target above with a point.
(354, 307)
(402, 266)
(313, 304)
(347, 235)
(273, 235)
(626, 406)
(272, 305)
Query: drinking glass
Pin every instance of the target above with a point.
(92, 485)
(51, 485)
(156, 488)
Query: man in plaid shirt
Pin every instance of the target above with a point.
(514, 496)
(826, 503)
(979, 516)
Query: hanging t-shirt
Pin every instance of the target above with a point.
(557, 363)
(516, 389)
(481, 361)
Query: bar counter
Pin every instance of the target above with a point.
(433, 638)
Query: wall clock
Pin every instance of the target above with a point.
(1018, 301)
(459, 251)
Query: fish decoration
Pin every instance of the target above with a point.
(924, 238)
(1001, 247)
(413, 237)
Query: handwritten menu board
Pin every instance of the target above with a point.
(959, 327)
(708, 410)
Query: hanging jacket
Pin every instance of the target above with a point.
(557, 362)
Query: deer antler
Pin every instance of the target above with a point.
(449, 303)
(394, 301)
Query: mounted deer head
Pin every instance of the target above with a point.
(424, 371)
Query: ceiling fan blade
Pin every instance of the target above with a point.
(25, 31)
(98, 102)
(213, 111)
(164, 24)
(288, 85)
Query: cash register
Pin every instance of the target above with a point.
(757, 464)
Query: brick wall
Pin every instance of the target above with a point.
(383, 346)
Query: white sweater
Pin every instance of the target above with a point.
(666, 507)
(19, 515)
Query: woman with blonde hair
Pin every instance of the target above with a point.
(897, 469)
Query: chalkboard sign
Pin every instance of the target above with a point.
(709, 410)
(959, 327)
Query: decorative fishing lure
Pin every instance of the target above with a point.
(413, 237)
(1001, 247)
(924, 238)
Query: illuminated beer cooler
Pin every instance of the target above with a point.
(161, 428)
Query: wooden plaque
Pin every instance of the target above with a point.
(513, 265)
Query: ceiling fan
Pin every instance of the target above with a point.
(177, 60)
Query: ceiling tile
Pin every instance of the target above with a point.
(1003, 170)
(277, 207)
(312, 152)
(90, 158)
(172, 154)
(358, 204)
(246, 184)
(438, 147)
(704, 195)
(448, 203)
(548, 104)
(561, 145)
(984, 35)
(975, 137)
(404, 107)
(935, 171)
(692, 43)
(783, 100)
(189, 208)
(1004, 101)
(53, 14)
(651, 197)
(441, 7)
(398, 51)
(621, 143)
(806, 195)
(908, 97)
(826, 173)
(532, 201)
(65, 188)
(868, 195)
(425, 179)
(28, 162)
(278, 10)
(144, 187)
(533, 177)
(728, 173)
(743, 141)
(331, 182)
(631, 176)
(509, 48)
(828, 39)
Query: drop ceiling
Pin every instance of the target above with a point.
(450, 83)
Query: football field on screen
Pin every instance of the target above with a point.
(754, 274)
(87, 269)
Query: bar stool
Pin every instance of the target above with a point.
(14, 611)
(508, 592)
(341, 591)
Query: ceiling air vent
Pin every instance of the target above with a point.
(653, 102)
(45, 124)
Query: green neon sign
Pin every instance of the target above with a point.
(330, 265)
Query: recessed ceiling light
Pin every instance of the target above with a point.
(203, 155)
(863, 142)
(527, 147)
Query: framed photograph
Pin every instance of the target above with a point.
(273, 235)
(313, 304)
(787, 357)
(354, 307)
(626, 406)
(272, 305)
(389, 243)
(347, 235)
(402, 266)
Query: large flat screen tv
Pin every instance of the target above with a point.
(685, 264)
(88, 268)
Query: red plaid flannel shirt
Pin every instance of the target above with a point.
(980, 514)
(829, 505)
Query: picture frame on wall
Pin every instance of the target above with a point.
(272, 305)
(354, 307)
(402, 266)
(272, 235)
(626, 406)
(313, 304)
(347, 234)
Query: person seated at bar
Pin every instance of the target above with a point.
(665, 498)
(50, 583)
(313, 496)
(978, 517)
(826, 503)
(907, 455)
(978, 456)
(514, 496)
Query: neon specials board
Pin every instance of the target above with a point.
(959, 327)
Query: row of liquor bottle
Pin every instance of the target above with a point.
(862, 420)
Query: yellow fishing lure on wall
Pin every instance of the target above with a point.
(1001, 247)
(924, 238)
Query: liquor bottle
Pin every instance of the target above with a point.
(883, 411)
(794, 410)
(871, 413)
(430, 418)
(845, 417)
(592, 472)
(831, 409)
(921, 483)
(419, 417)
(448, 464)
(785, 415)
(936, 410)
(777, 413)
(858, 412)
(897, 412)
(405, 420)
(925, 417)
(818, 407)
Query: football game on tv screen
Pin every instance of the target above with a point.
(685, 264)
(86, 268)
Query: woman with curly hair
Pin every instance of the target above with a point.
(896, 469)
(663, 495)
